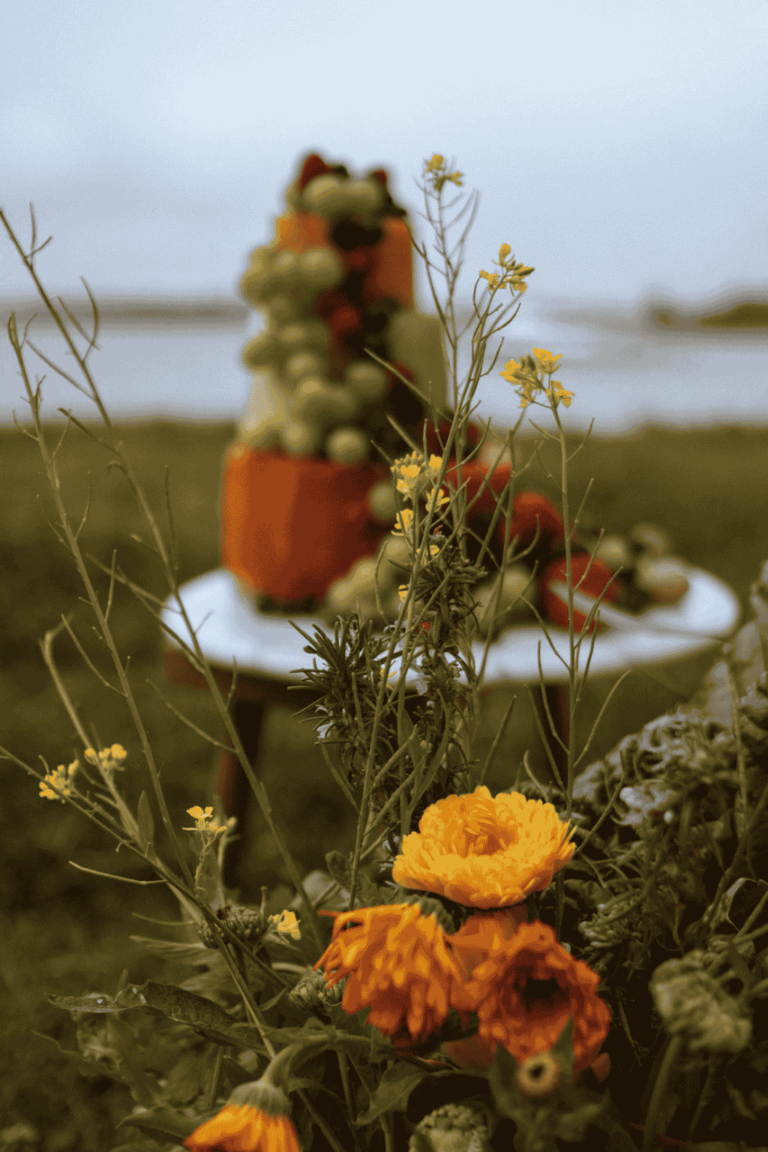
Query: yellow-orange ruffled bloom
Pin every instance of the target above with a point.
(399, 965)
(485, 852)
(244, 1129)
(524, 985)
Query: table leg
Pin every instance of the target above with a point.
(232, 785)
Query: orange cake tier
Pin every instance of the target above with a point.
(292, 527)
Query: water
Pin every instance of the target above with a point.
(622, 373)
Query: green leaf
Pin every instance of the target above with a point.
(132, 997)
(213, 1021)
(235, 1073)
(189, 1075)
(393, 1091)
(146, 824)
(130, 1061)
(178, 953)
(176, 1004)
(163, 1122)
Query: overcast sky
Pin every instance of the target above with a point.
(620, 147)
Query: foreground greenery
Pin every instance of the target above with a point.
(63, 932)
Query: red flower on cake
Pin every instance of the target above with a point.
(596, 580)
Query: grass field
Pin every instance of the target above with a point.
(62, 931)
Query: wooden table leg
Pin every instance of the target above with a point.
(231, 782)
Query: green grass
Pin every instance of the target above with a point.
(64, 931)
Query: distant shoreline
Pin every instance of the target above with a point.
(747, 315)
(139, 311)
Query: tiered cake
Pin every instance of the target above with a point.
(307, 494)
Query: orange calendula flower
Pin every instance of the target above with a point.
(485, 852)
(244, 1128)
(524, 985)
(399, 965)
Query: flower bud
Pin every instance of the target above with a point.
(452, 1128)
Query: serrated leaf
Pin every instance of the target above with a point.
(162, 1122)
(146, 824)
(392, 1094)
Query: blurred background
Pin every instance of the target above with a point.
(619, 149)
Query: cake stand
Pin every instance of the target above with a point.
(267, 651)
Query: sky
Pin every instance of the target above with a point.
(619, 148)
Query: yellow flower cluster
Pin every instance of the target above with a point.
(435, 172)
(511, 275)
(529, 375)
(59, 784)
(113, 757)
(415, 477)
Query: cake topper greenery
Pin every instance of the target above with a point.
(579, 964)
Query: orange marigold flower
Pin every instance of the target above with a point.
(485, 852)
(523, 990)
(244, 1129)
(399, 965)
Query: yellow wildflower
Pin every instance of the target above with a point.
(107, 758)
(435, 499)
(435, 170)
(547, 361)
(557, 393)
(403, 523)
(493, 279)
(286, 923)
(205, 821)
(504, 251)
(61, 780)
(434, 466)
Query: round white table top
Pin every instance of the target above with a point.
(229, 629)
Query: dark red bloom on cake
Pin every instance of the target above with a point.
(346, 321)
(596, 579)
(314, 165)
(532, 513)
